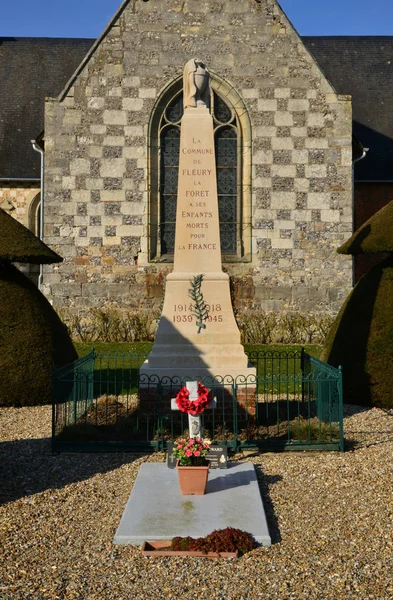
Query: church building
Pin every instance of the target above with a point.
(90, 138)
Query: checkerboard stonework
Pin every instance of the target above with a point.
(296, 158)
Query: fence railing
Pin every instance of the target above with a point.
(102, 402)
(73, 384)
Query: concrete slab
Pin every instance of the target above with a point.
(156, 510)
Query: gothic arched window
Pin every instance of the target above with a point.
(164, 154)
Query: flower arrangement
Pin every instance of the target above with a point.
(192, 452)
(220, 540)
(193, 407)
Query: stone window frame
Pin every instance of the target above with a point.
(228, 93)
(34, 215)
(32, 222)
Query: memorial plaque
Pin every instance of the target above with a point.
(218, 456)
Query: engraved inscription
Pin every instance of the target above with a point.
(179, 315)
(197, 195)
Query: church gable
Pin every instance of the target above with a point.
(232, 35)
(104, 201)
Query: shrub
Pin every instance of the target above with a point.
(220, 540)
(32, 339)
(360, 339)
(375, 235)
(109, 324)
(259, 327)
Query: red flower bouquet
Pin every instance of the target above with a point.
(190, 452)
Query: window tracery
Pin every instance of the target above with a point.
(164, 152)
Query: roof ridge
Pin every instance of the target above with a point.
(43, 38)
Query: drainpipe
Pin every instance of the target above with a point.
(38, 149)
(365, 150)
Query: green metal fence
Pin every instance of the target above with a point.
(73, 385)
(102, 403)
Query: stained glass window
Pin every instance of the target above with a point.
(170, 147)
(227, 162)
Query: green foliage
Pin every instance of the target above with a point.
(109, 324)
(260, 327)
(360, 339)
(32, 340)
(313, 350)
(220, 540)
(137, 348)
(375, 235)
(313, 430)
(200, 308)
(19, 244)
(144, 348)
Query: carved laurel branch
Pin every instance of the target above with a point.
(200, 310)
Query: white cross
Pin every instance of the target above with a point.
(194, 421)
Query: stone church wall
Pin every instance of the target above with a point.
(17, 200)
(97, 169)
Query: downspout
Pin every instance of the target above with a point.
(365, 150)
(37, 148)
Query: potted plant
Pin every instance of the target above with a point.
(192, 466)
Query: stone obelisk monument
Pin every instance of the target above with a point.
(197, 338)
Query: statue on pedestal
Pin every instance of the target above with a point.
(196, 88)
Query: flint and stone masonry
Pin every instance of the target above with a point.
(297, 158)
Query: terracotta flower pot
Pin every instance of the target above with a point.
(193, 480)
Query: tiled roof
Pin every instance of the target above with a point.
(30, 70)
(363, 67)
(33, 68)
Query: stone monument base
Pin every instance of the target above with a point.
(180, 350)
(156, 510)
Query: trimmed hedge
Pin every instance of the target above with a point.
(19, 244)
(361, 339)
(375, 235)
(32, 339)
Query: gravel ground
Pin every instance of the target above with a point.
(330, 517)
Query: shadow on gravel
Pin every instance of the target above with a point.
(265, 482)
(28, 467)
(229, 481)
